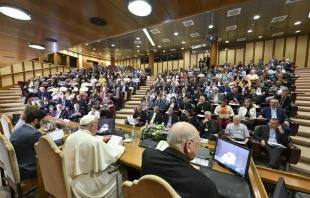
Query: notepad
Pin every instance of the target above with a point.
(56, 135)
(276, 144)
(114, 141)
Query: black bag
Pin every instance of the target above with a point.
(16, 117)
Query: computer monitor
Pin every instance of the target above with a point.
(280, 191)
(232, 156)
(106, 126)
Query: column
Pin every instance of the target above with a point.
(55, 57)
(151, 61)
(213, 53)
(112, 60)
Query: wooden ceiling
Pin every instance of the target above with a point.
(67, 21)
(125, 46)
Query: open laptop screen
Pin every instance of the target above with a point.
(106, 125)
(233, 156)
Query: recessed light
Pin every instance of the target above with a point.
(256, 17)
(138, 50)
(164, 51)
(159, 46)
(15, 12)
(226, 49)
(210, 26)
(119, 54)
(138, 46)
(94, 48)
(183, 42)
(86, 43)
(260, 37)
(297, 23)
(204, 45)
(138, 38)
(207, 50)
(226, 41)
(297, 31)
(112, 45)
(309, 15)
(182, 48)
(249, 31)
(176, 34)
(36, 46)
(139, 7)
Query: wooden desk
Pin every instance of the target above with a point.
(292, 181)
(132, 157)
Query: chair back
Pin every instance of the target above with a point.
(55, 179)
(6, 126)
(9, 159)
(150, 186)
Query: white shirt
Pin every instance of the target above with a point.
(97, 114)
(153, 118)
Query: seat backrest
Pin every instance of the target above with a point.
(53, 168)
(149, 186)
(6, 126)
(9, 159)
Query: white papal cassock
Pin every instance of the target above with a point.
(87, 159)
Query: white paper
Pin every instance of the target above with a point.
(31, 90)
(239, 142)
(276, 144)
(200, 161)
(56, 135)
(131, 120)
(66, 120)
(127, 140)
(203, 140)
(162, 145)
(201, 116)
(221, 115)
(114, 141)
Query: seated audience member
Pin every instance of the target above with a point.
(170, 95)
(173, 165)
(190, 118)
(185, 105)
(182, 95)
(45, 105)
(215, 96)
(256, 99)
(170, 118)
(27, 109)
(116, 95)
(43, 93)
(70, 95)
(23, 140)
(76, 113)
(63, 101)
(155, 117)
(260, 90)
(88, 161)
(234, 97)
(210, 129)
(224, 113)
(252, 76)
(60, 112)
(285, 101)
(146, 103)
(34, 93)
(248, 114)
(173, 104)
(274, 111)
(237, 131)
(159, 102)
(272, 133)
(56, 94)
(95, 112)
(202, 106)
(225, 88)
(140, 115)
(79, 101)
(244, 87)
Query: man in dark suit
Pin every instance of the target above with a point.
(140, 115)
(23, 140)
(202, 106)
(274, 111)
(76, 113)
(269, 135)
(188, 88)
(285, 101)
(174, 161)
(255, 98)
(60, 112)
(210, 129)
(170, 118)
(185, 104)
(234, 96)
(63, 101)
(159, 102)
(155, 116)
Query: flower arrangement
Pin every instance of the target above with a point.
(153, 131)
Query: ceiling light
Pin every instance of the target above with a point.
(249, 31)
(112, 45)
(182, 48)
(211, 37)
(226, 49)
(139, 7)
(15, 12)
(119, 54)
(148, 36)
(36, 46)
(159, 46)
(138, 46)
(256, 17)
(297, 31)
(260, 37)
(309, 15)
(210, 26)
(138, 38)
(176, 34)
(183, 42)
(297, 23)
(207, 50)
(164, 51)
(204, 45)
(226, 41)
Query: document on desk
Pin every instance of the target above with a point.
(114, 141)
(276, 144)
(31, 90)
(131, 120)
(56, 135)
(200, 161)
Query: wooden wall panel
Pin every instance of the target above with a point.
(308, 63)
(231, 56)
(18, 67)
(53, 70)
(6, 80)
(181, 63)
(222, 57)
(60, 69)
(186, 59)
(146, 65)
(175, 64)
(39, 72)
(249, 47)
(5, 70)
(29, 75)
(290, 48)
(155, 68)
(268, 51)
(165, 66)
(239, 55)
(37, 65)
(28, 65)
(278, 52)
(18, 77)
(258, 51)
(193, 60)
(138, 63)
(301, 51)
(170, 65)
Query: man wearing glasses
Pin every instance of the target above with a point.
(173, 165)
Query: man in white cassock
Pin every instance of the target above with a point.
(88, 161)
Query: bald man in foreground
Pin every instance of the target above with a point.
(173, 165)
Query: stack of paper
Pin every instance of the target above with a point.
(56, 135)
(114, 141)
(276, 144)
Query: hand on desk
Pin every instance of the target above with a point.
(122, 143)
(106, 138)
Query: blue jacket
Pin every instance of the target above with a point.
(223, 89)
(161, 104)
(63, 114)
(65, 103)
(281, 115)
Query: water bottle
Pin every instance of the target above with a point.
(133, 134)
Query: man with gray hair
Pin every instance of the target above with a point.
(237, 131)
(173, 165)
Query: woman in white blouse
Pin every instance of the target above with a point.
(248, 114)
